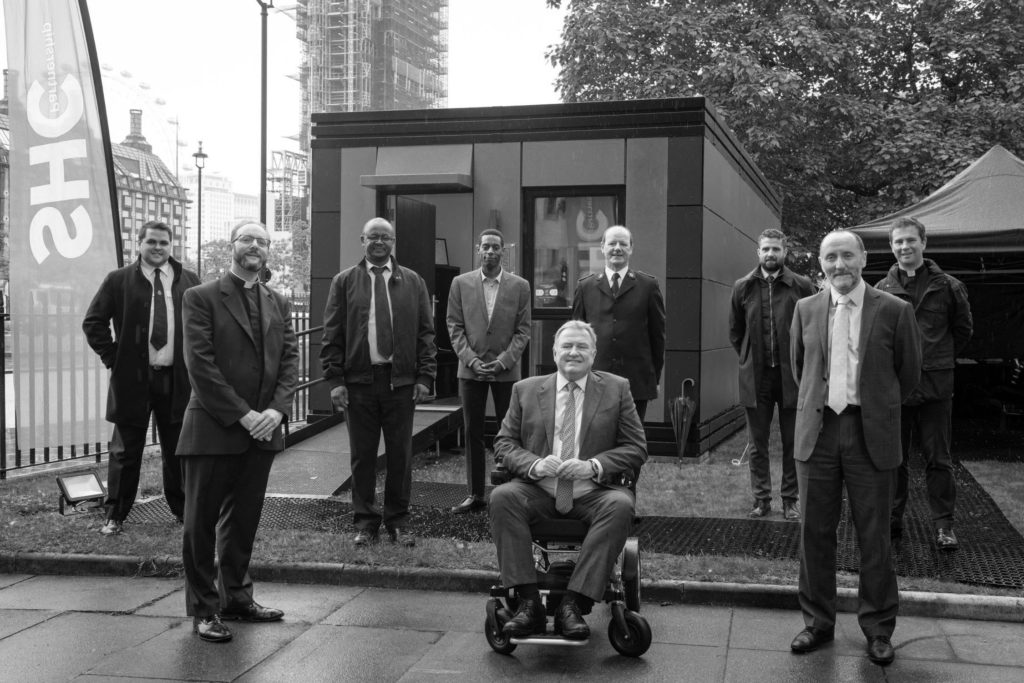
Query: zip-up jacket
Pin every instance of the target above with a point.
(345, 354)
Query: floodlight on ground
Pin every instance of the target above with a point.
(80, 492)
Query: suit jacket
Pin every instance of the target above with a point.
(746, 330)
(610, 429)
(630, 328)
(124, 299)
(503, 337)
(228, 376)
(890, 368)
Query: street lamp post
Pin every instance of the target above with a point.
(263, 112)
(200, 158)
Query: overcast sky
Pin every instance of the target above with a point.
(198, 61)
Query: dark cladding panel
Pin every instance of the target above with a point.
(496, 173)
(319, 395)
(326, 179)
(358, 203)
(683, 241)
(323, 261)
(715, 304)
(646, 197)
(728, 253)
(685, 171)
(574, 162)
(719, 390)
(682, 308)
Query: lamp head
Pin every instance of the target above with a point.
(200, 157)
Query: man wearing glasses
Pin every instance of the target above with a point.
(243, 363)
(379, 359)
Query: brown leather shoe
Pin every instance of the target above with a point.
(251, 612)
(791, 510)
(880, 650)
(761, 509)
(396, 535)
(529, 619)
(946, 540)
(471, 504)
(810, 639)
(569, 622)
(366, 537)
(112, 528)
(211, 629)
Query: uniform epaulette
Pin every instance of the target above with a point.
(640, 272)
(588, 275)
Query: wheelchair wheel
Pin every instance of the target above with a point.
(497, 615)
(636, 641)
(631, 573)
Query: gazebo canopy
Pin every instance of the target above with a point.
(980, 210)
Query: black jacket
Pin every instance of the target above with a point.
(125, 298)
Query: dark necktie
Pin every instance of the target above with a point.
(615, 284)
(567, 435)
(159, 336)
(382, 312)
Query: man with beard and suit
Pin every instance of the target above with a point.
(627, 312)
(944, 317)
(856, 354)
(147, 367)
(242, 360)
(379, 359)
(759, 319)
(489, 325)
(574, 444)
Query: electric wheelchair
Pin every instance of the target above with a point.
(628, 632)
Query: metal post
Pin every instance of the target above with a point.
(263, 112)
(200, 158)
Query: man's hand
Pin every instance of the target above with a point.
(266, 423)
(575, 469)
(547, 466)
(249, 419)
(420, 393)
(339, 397)
(490, 370)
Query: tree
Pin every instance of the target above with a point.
(217, 256)
(853, 108)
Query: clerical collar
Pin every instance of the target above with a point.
(246, 284)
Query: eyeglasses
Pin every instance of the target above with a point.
(247, 240)
(386, 239)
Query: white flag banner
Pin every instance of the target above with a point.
(63, 234)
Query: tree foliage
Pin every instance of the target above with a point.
(853, 108)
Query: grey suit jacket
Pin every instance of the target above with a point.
(610, 429)
(890, 368)
(504, 337)
(228, 377)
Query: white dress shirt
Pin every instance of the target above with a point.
(580, 486)
(608, 272)
(161, 357)
(491, 285)
(856, 304)
(371, 331)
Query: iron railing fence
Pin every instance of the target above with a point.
(15, 459)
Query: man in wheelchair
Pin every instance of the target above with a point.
(574, 445)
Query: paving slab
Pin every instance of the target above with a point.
(14, 620)
(681, 624)
(918, 638)
(345, 653)
(920, 670)
(985, 642)
(11, 579)
(815, 667)
(178, 654)
(84, 640)
(84, 593)
(413, 610)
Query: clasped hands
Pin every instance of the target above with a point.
(553, 466)
(486, 371)
(261, 426)
(339, 395)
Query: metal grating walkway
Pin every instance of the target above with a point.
(991, 550)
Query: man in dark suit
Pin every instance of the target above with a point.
(242, 360)
(489, 325)
(943, 315)
(628, 313)
(759, 319)
(380, 360)
(148, 375)
(856, 354)
(575, 445)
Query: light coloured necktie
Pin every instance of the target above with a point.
(839, 363)
(567, 435)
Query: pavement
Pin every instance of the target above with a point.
(89, 628)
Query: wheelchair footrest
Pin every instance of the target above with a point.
(548, 639)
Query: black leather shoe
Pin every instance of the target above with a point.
(810, 639)
(471, 504)
(880, 650)
(366, 537)
(761, 509)
(112, 528)
(251, 612)
(946, 540)
(211, 629)
(569, 622)
(529, 619)
(398, 536)
(791, 510)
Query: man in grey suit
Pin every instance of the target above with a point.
(856, 354)
(575, 445)
(489, 325)
(242, 361)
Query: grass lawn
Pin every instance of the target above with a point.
(29, 521)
